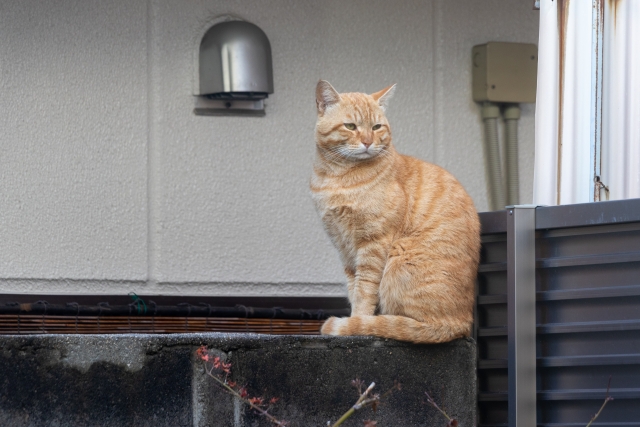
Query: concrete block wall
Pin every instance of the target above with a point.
(110, 183)
(139, 380)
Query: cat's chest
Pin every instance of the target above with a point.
(350, 216)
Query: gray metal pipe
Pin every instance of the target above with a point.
(511, 117)
(490, 114)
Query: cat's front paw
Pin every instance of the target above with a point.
(333, 326)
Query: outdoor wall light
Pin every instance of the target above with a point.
(235, 70)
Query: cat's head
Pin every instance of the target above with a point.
(352, 127)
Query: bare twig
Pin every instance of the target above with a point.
(256, 403)
(607, 399)
(249, 402)
(360, 403)
(452, 422)
(365, 400)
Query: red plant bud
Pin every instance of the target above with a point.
(256, 401)
(202, 353)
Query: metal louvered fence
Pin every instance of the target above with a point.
(558, 314)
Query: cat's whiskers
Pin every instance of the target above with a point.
(384, 152)
(334, 155)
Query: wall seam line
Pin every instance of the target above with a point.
(151, 160)
(436, 127)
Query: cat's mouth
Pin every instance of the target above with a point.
(358, 153)
(365, 155)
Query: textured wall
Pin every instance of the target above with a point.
(73, 146)
(110, 183)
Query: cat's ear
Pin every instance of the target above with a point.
(384, 95)
(326, 96)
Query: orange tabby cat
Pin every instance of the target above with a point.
(407, 232)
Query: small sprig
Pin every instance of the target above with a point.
(220, 371)
(607, 399)
(365, 399)
(451, 422)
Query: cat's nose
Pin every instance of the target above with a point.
(367, 142)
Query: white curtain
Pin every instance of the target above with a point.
(588, 102)
(621, 100)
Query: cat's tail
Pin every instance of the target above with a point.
(398, 327)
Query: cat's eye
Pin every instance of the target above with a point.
(376, 127)
(350, 126)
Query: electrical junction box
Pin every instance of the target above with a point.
(505, 72)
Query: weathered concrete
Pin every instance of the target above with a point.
(142, 380)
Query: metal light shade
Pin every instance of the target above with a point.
(235, 62)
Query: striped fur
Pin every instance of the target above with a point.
(407, 232)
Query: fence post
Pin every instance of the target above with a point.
(521, 303)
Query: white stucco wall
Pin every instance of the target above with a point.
(110, 183)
